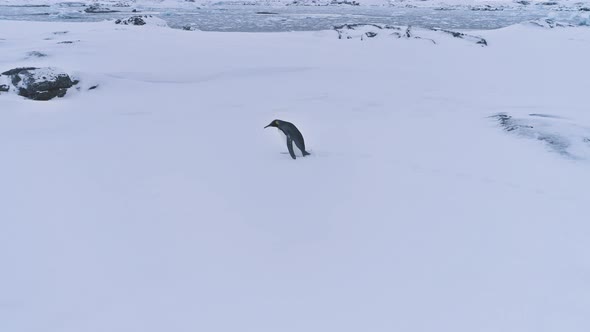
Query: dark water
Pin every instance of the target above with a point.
(291, 18)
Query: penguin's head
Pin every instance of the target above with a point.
(274, 123)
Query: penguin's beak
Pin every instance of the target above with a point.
(270, 125)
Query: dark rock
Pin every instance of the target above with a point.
(40, 83)
(370, 34)
(266, 13)
(68, 42)
(60, 32)
(548, 3)
(134, 10)
(93, 87)
(344, 2)
(140, 20)
(4, 88)
(523, 2)
(585, 9)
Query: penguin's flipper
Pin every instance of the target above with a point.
(290, 147)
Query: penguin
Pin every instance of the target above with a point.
(293, 135)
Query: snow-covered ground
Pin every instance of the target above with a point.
(157, 201)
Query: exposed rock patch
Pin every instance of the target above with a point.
(40, 83)
(486, 8)
(433, 35)
(36, 54)
(140, 20)
(559, 134)
(548, 23)
(98, 9)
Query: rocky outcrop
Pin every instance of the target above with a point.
(433, 35)
(475, 39)
(486, 8)
(39, 83)
(122, 4)
(98, 9)
(36, 54)
(548, 23)
(140, 20)
(344, 2)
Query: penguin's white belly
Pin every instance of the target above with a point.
(282, 136)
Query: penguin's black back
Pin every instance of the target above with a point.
(290, 130)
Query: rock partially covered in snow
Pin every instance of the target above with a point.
(560, 135)
(98, 9)
(122, 4)
(548, 23)
(40, 83)
(434, 35)
(486, 8)
(142, 20)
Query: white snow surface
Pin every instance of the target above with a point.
(157, 202)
